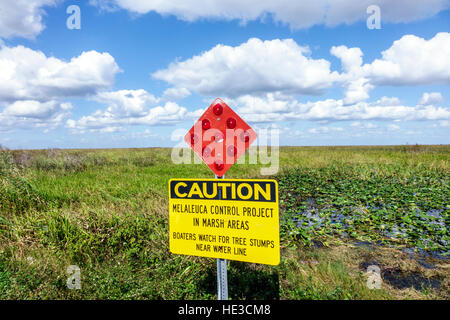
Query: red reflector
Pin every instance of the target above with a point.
(231, 150)
(245, 136)
(218, 164)
(194, 138)
(217, 109)
(206, 124)
(231, 123)
(218, 137)
(206, 152)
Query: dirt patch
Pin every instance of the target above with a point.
(403, 280)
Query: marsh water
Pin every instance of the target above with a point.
(311, 217)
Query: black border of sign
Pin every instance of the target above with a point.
(273, 188)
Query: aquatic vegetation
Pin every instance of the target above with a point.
(388, 203)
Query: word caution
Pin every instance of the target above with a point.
(225, 219)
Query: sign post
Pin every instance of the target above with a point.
(222, 277)
(222, 281)
(226, 219)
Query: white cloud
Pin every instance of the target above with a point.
(160, 115)
(35, 109)
(127, 103)
(194, 115)
(33, 87)
(431, 98)
(350, 11)
(169, 113)
(111, 129)
(444, 123)
(254, 67)
(357, 90)
(297, 14)
(357, 86)
(335, 110)
(175, 94)
(322, 130)
(387, 101)
(268, 104)
(34, 114)
(351, 58)
(22, 18)
(412, 60)
(282, 67)
(363, 125)
(31, 75)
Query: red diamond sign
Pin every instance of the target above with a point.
(219, 137)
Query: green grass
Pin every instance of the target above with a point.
(107, 212)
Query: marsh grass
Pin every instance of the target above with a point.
(106, 211)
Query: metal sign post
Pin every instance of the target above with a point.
(222, 279)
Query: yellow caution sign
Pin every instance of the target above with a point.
(232, 219)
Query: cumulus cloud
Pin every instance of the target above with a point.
(169, 113)
(31, 75)
(337, 110)
(431, 98)
(351, 58)
(363, 125)
(357, 86)
(175, 94)
(271, 103)
(22, 18)
(357, 90)
(412, 60)
(33, 87)
(27, 114)
(387, 101)
(297, 14)
(127, 103)
(35, 109)
(258, 67)
(324, 130)
(253, 67)
(261, 79)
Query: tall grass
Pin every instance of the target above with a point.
(17, 194)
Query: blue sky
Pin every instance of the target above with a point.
(137, 71)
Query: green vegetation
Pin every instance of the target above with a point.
(386, 204)
(342, 208)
